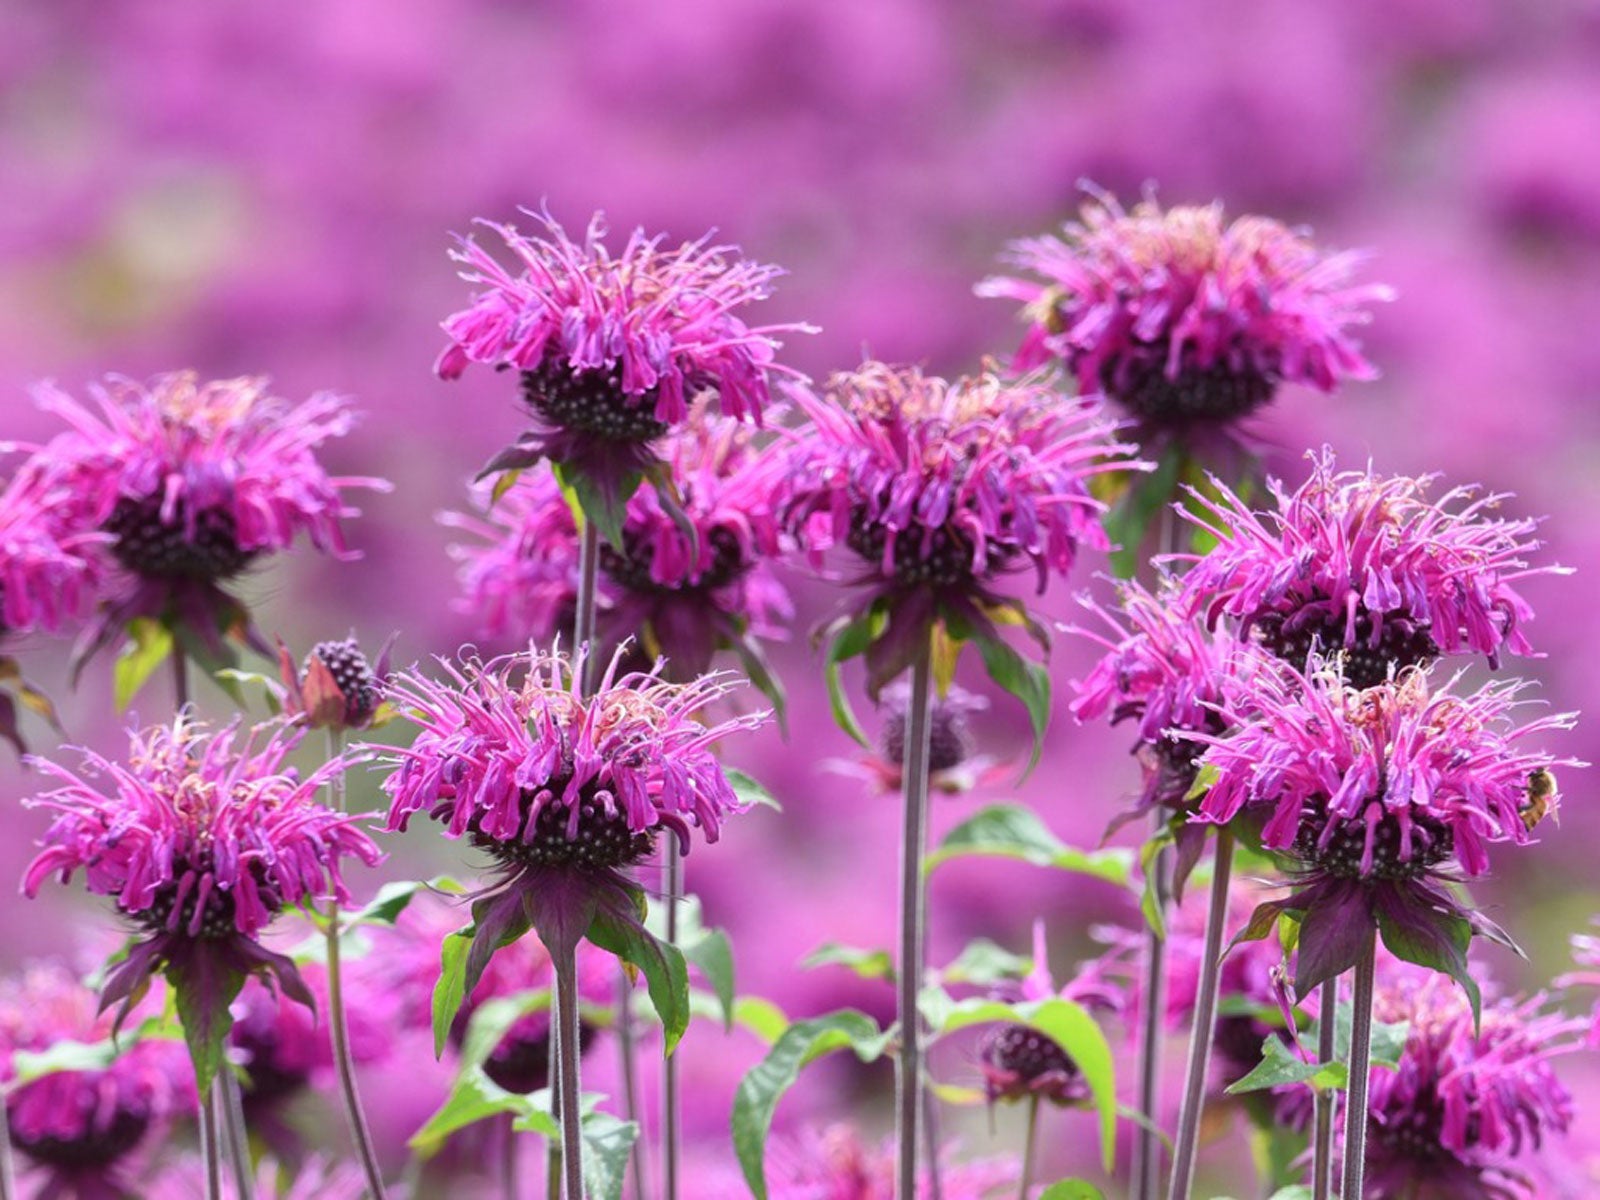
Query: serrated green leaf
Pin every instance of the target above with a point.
(1072, 1189)
(869, 964)
(1280, 1066)
(749, 790)
(1067, 1024)
(450, 991)
(1011, 831)
(712, 953)
(607, 509)
(1153, 873)
(761, 1089)
(473, 1097)
(607, 1146)
(1028, 682)
(666, 972)
(493, 1019)
(149, 645)
(204, 987)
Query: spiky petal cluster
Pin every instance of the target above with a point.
(1183, 317)
(1466, 1111)
(82, 1124)
(836, 1164)
(1374, 793)
(194, 481)
(685, 595)
(49, 571)
(1168, 674)
(939, 488)
(513, 755)
(1369, 566)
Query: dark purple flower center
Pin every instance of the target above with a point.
(271, 1077)
(591, 402)
(940, 558)
(521, 1062)
(1320, 625)
(631, 567)
(1432, 842)
(1415, 1133)
(603, 841)
(950, 740)
(156, 549)
(216, 918)
(95, 1148)
(354, 677)
(1212, 394)
(1025, 1056)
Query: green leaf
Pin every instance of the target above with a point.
(28, 1065)
(1433, 938)
(869, 964)
(1011, 831)
(608, 510)
(1028, 682)
(204, 986)
(760, 1090)
(1129, 522)
(394, 898)
(1067, 1024)
(473, 1097)
(493, 1019)
(1280, 1066)
(1153, 874)
(758, 669)
(846, 642)
(748, 790)
(985, 963)
(711, 951)
(1072, 1189)
(450, 991)
(761, 1017)
(607, 1146)
(149, 645)
(1295, 1191)
(666, 973)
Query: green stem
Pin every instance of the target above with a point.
(209, 1150)
(908, 1093)
(1355, 1120)
(1028, 1148)
(8, 1174)
(230, 1119)
(671, 1124)
(1326, 1098)
(508, 1158)
(1146, 1146)
(571, 1088)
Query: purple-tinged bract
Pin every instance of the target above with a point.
(202, 838)
(335, 688)
(1184, 318)
(194, 482)
(1367, 566)
(82, 1126)
(1374, 796)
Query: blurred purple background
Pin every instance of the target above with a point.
(244, 189)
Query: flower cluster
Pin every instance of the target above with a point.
(1369, 567)
(193, 481)
(612, 348)
(1184, 318)
(1371, 795)
(83, 1124)
(203, 838)
(836, 1164)
(49, 571)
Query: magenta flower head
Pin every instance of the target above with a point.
(938, 490)
(1468, 1109)
(691, 581)
(837, 1164)
(83, 1127)
(194, 482)
(611, 349)
(1168, 675)
(1189, 321)
(563, 791)
(203, 838)
(955, 764)
(1374, 799)
(1368, 567)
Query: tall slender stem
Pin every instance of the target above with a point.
(1355, 1121)
(1326, 1098)
(1028, 1145)
(8, 1173)
(627, 1053)
(586, 609)
(209, 1150)
(338, 1023)
(671, 1122)
(230, 1119)
(553, 1157)
(180, 676)
(1146, 1146)
(571, 1088)
(508, 1158)
(908, 1093)
(1205, 1025)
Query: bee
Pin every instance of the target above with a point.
(1541, 791)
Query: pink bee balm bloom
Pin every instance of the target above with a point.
(1372, 796)
(612, 348)
(203, 838)
(939, 488)
(837, 1164)
(193, 482)
(1369, 567)
(564, 791)
(83, 1126)
(1186, 319)
(1467, 1110)
(686, 597)
(49, 571)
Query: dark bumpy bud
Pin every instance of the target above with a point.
(591, 402)
(1403, 643)
(950, 738)
(354, 676)
(603, 840)
(157, 549)
(1019, 1061)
